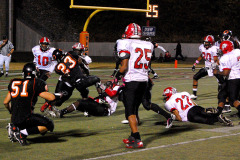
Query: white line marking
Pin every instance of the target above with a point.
(163, 146)
(5, 119)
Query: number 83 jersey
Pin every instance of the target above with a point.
(180, 101)
(139, 53)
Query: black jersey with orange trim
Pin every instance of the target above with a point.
(24, 94)
(69, 66)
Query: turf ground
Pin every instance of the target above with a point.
(79, 137)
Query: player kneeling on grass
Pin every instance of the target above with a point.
(23, 95)
(182, 106)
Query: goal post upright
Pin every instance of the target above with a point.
(84, 35)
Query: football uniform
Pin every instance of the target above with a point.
(230, 61)
(44, 60)
(182, 102)
(112, 98)
(208, 55)
(140, 56)
(23, 94)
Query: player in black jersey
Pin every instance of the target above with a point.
(20, 102)
(73, 75)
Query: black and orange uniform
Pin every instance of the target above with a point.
(24, 94)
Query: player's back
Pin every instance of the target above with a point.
(140, 55)
(23, 94)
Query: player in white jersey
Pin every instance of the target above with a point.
(182, 106)
(209, 54)
(230, 67)
(136, 55)
(43, 58)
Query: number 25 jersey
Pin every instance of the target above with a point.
(140, 55)
(180, 101)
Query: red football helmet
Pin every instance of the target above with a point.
(168, 92)
(44, 43)
(79, 48)
(226, 47)
(208, 41)
(133, 30)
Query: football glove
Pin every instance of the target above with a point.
(193, 68)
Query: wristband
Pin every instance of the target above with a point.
(197, 62)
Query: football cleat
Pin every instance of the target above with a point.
(11, 132)
(170, 122)
(124, 121)
(130, 139)
(136, 144)
(20, 138)
(155, 77)
(193, 97)
(225, 120)
(227, 108)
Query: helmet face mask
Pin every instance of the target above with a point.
(168, 92)
(58, 55)
(226, 35)
(208, 41)
(133, 30)
(29, 71)
(78, 48)
(44, 43)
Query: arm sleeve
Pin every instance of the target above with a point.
(160, 47)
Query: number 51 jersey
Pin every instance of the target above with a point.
(180, 101)
(24, 93)
(140, 55)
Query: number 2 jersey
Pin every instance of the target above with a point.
(180, 101)
(140, 55)
(24, 93)
(44, 60)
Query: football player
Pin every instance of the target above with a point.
(117, 59)
(135, 55)
(71, 77)
(21, 94)
(96, 106)
(229, 67)
(155, 76)
(209, 54)
(43, 58)
(182, 106)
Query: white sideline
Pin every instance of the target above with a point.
(162, 146)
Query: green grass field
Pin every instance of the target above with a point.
(80, 137)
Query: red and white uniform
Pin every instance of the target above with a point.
(140, 55)
(112, 98)
(230, 61)
(208, 55)
(180, 101)
(44, 60)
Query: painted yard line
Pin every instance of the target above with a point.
(6, 119)
(163, 146)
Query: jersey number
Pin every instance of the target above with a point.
(16, 90)
(180, 100)
(207, 56)
(43, 61)
(64, 68)
(144, 53)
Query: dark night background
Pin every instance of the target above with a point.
(187, 21)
